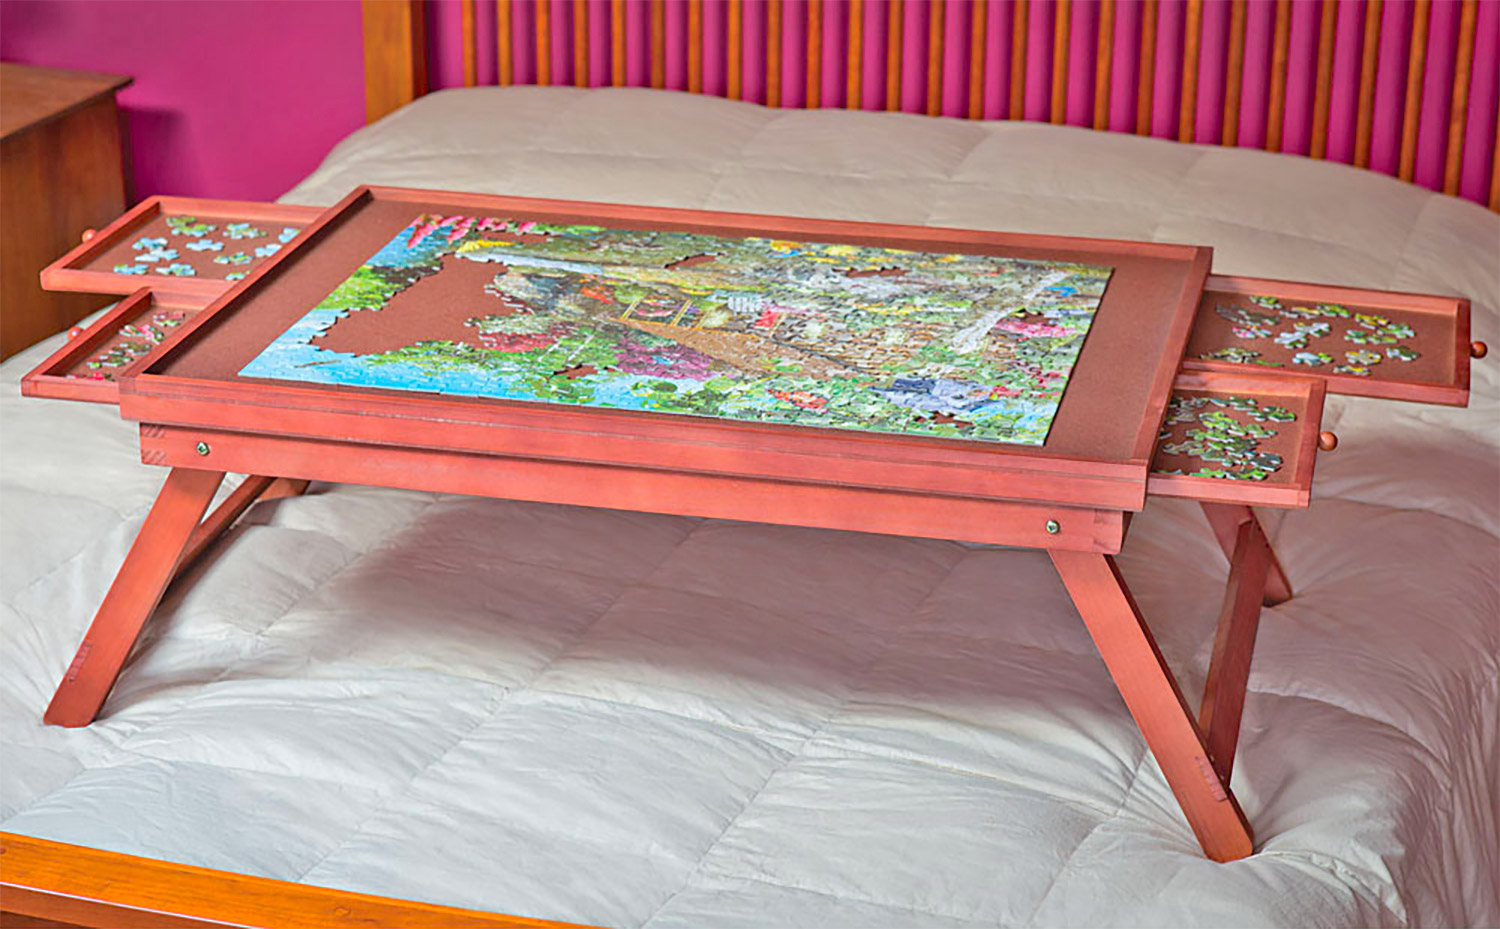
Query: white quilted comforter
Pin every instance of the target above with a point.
(656, 721)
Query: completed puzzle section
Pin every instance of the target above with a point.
(824, 334)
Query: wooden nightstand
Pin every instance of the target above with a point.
(61, 171)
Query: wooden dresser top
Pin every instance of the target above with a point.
(30, 96)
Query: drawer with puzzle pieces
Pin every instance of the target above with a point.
(1364, 343)
(191, 247)
(1236, 438)
(89, 366)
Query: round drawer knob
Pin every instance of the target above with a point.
(1327, 441)
(87, 234)
(1478, 349)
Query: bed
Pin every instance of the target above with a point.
(619, 719)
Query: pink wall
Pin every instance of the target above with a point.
(240, 99)
(446, 63)
(231, 98)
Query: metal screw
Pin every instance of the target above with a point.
(1053, 527)
(203, 448)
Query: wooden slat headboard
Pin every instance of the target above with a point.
(1406, 87)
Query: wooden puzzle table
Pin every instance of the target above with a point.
(977, 386)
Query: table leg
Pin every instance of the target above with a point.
(149, 567)
(1226, 518)
(1154, 699)
(1234, 642)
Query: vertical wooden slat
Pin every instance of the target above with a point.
(978, 45)
(658, 43)
(735, 59)
(935, 56)
(1458, 110)
(1192, 44)
(1146, 77)
(1495, 170)
(814, 56)
(1416, 64)
(893, 44)
(543, 19)
(1104, 60)
(1234, 74)
(470, 39)
(1323, 95)
(1369, 57)
(395, 54)
(1062, 32)
(617, 42)
(854, 79)
(581, 43)
(695, 46)
(1020, 12)
(773, 52)
(505, 57)
(1280, 52)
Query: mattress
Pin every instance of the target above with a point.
(640, 720)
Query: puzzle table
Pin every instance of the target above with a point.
(979, 386)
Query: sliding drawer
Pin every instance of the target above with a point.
(179, 245)
(1365, 343)
(1232, 438)
(89, 366)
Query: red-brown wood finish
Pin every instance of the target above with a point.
(142, 580)
(1449, 316)
(50, 378)
(655, 490)
(1226, 519)
(1114, 478)
(71, 272)
(1289, 487)
(1234, 642)
(1155, 701)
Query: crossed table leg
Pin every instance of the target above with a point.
(1195, 753)
(169, 541)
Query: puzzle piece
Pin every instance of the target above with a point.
(1402, 353)
(288, 233)
(1224, 439)
(205, 245)
(189, 226)
(130, 269)
(177, 270)
(1232, 353)
(238, 258)
(1312, 359)
(147, 243)
(266, 251)
(242, 231)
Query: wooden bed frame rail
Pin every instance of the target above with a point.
(1190, 70)
(45, 883)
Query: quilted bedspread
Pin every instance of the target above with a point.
(640, 720)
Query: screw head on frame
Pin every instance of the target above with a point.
(203, 448)
(1053, 527)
